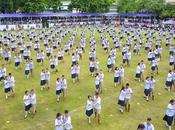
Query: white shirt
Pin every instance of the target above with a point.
(33, 98)
(59, 123)
(170, 111)
(89, 105)
(138, 70)
(42, 76)
(97, 103)
(128, 93)
(148, 126)
(122, 95)
(58, 85)
(26, 99)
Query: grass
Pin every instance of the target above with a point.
(12, 109)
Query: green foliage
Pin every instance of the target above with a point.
(91, 5)
(159, 7)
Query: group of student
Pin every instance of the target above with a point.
(52, 41)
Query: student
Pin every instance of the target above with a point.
(27, 103)
(17, 60)
(52, 63)
(11, 81)
(141, 127)
(42, 79)
(49, 51)
(63, 85)
(169, 115)
(77, 71)
(27, 69)
(6, 87)
(59, 122)
(148, 125)
(116, 76)
(31, 66)
(67, 121)
(60, 55)
(89, 108)
(147, 88)
(138, 73)
(101, 76)
(154, 65)
(97, 83)
(121, 100)
(129, 92)
(33, 101)
(169, 81)
(109, 64)
(122, 74)
(58, 89)
(92, 67)
(152, 87)
(47, 78)
(97, 106)
(142, 69)
(73, 73)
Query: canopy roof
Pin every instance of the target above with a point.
(75, 15)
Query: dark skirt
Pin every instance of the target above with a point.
(168, 119)
(6, 90)
(168, 83)
(116, 79)
(121, 102)
(27, 108)
(58, 92)
(89, 112)
(147, 92)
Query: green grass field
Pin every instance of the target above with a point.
(111, 119)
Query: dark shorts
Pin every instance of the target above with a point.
(13, 49)
(109, 66)
(26, 57)
(138, 75)
(97, 86)
(2, 78)
(153, 68)
(21, 51)
(27, 108)
(17, 64)
(58, 92)
(121, 102)
(48, 54)
(168, 83)
(6, 58)
(27, 72)
(124, 61)
(147, 92)
(92, 69)
(89, 112)
(6, 90)
(171, 63)
(38, 60)
(42, 82)
(116, 79)
(52, 66)
(168, 119)
(73, 76)
(60, 58)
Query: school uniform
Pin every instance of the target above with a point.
(33, 99)
(67, 122)
(109, 63)
(60, 55)
(138, 72)
(63, 84)
(48, 51)
(169, 115)
(17, 60)
(11, 81)
(148, 126)
(97, 105)
(3, 73)
(116, 76)
(6, 86)
(27, 69)
(27, 102)
(59, 123)
(58, 87)
(92, 66)
(89, 108)
(121, 100)
(47, 76)
(169, 80)
(73, 72)
(52, 63)
(42, 79)
(147, 87)
(128, 92)
(97, 83)
(172, 60)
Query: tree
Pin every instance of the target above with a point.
(54, 4)
(91, 5)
